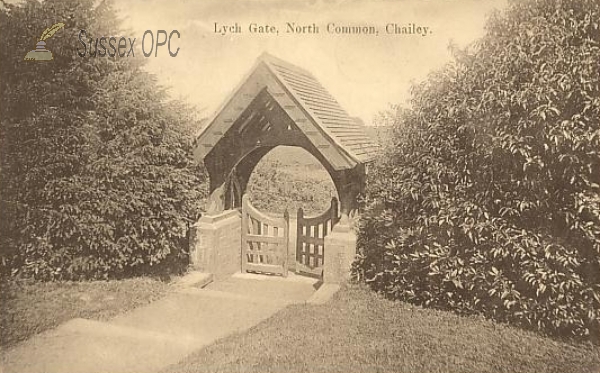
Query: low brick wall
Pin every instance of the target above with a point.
(215, 243)
(340, 252)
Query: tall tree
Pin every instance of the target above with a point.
(96, 172)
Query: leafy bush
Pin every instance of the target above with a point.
(97, 178)
(488, 200)
(289, 177)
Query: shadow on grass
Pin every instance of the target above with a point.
(28, 307)
(360, 331)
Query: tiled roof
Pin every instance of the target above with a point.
(342, 141)
(324, 109)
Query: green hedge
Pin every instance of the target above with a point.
(487, 199)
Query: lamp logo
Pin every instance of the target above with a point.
(40, 53)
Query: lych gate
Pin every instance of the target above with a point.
(277, 104)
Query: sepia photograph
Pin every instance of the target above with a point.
(299, 186)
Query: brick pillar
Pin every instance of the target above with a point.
(215, 243)
(340, 251)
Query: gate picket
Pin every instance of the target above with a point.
(264, 241)
(310, 239)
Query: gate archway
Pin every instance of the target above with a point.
(281, 104)
(290, 177)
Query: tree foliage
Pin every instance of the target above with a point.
(96, 173)
(488, 200)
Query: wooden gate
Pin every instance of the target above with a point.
(310, 239)
(265, 241)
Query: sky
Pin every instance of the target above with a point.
(365, 73)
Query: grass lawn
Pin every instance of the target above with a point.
(360, 332)
(30, 308)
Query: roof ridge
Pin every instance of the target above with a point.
(319, 113)
(270, 58)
